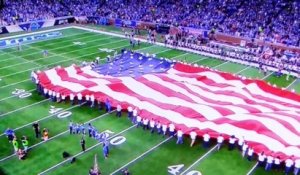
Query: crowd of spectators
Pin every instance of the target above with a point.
(270, 20)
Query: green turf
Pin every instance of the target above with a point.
(224, 162)
(15, 69)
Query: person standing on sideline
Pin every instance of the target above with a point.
(82, 143)
(193, 136)
(269, 163)
(206, 138)
(179, 136)
(220, 140)
(15, 144)
(231, 143)
(134, 115)
(119, 111)
(36, 128)
(261, 159)
(297, 167)
(244, 149)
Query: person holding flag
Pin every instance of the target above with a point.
(179, 136)
(108, 105)
(119, 110)
(220, 140)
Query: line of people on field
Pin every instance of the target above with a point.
(92, 131)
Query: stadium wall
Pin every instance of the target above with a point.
(35, 25)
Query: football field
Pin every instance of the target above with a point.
(131, 147)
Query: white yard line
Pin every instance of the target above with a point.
(267, 75)
(18, 82)
(199, 60)
(52, 138)
(290, 85)
(90, 148)
(140, 156)
(24, 107)
(220, 65)
(90, 53)
(242, 70)
(44, 118)
(252, 169)
(51, 54)
(12, 96)
(197, 161)
(181, 55)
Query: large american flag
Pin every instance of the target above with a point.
(193, 98)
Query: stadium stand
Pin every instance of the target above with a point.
(270, 20)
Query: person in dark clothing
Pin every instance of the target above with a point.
(82, 142)
(36, 128)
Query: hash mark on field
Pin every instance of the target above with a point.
(220, 64)
(243, 70)
(290, 85)
(142, 155)
(267, 75)
(87, 150)
(197, 161)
